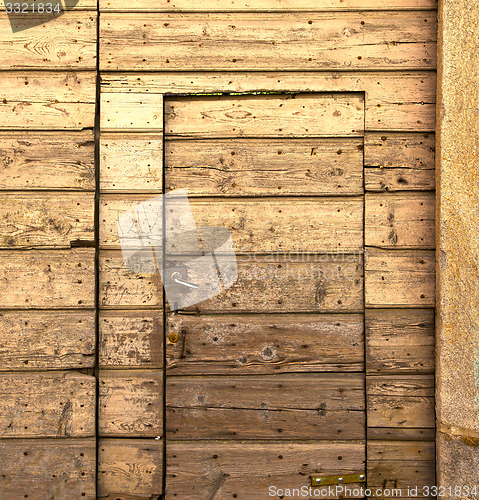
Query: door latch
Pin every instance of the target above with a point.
(338, 479)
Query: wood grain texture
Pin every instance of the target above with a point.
(395, 101)
(44, 340)
(400, 220)
(400, 401)
(292, 406)
(399, 278)
(131, 339)
(258, 167)
(131, 162)
(399, 162)
(130, 403)
(285, 225)
(46, 219)
(400, 341)
(47, 404)
(130, 469)
(332, 283)
(67, 42)
(51, 279)
(47, 100)
(47, 468)
(249, 41)
(47, 160)
(253, 344)
(401, 434)
(245, 469)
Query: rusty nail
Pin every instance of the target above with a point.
(173, 337)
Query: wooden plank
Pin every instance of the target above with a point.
(131, 339)
(399, 278)
(264, 344)
(290, 41)
(400, 220)
(46, 219)
(131, 403)
(39, 340)
(400, 401)
(131, 112)
(263, 286)
(53, 279)
(292, 406)
(131, 162)
(399, 162)
(283, 115)
(47, 100)
(257, 167)
(397, 101)
(246, 469)
(400, 340)
(47, 160)
(47, 404)
(67, 42)
(48, 468)
(130, 469)
(401, 434)
(285, 225)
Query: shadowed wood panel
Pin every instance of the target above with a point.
(401, 434)
(399, 162)
(52, 279)
(130, 339)
(47, 468)
(250, 167)
(47, 404)
(261, 226)
(67, 42)
(293, 406)
(293, 41)
(400, 401)
(263, 344)
(303, 115)
(399, 278)
(130, 469)
(400, 220)
(400, 340)
(46, 160)
(130, 403)
(47, 340)
(245, 469)
(46, 220)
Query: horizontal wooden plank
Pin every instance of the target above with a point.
(292, 41)
(66, 42)
(131, 162)
(245, 469)
(400, 401)
(130, 469)
(292, 406)
(331, 283)
(397, 101)
(399, 278)
(131, 403)
(48, 468)
(47, 100)
(285, 225)
(47, 404)
(43, 340)
(400, 340)
(401, 434)
(400, 220)
(303, 115)
(46, 219)
(264, 344)
(258, 167)
(131, 339)
(53, 279)
(46, 160)
(399, 162)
